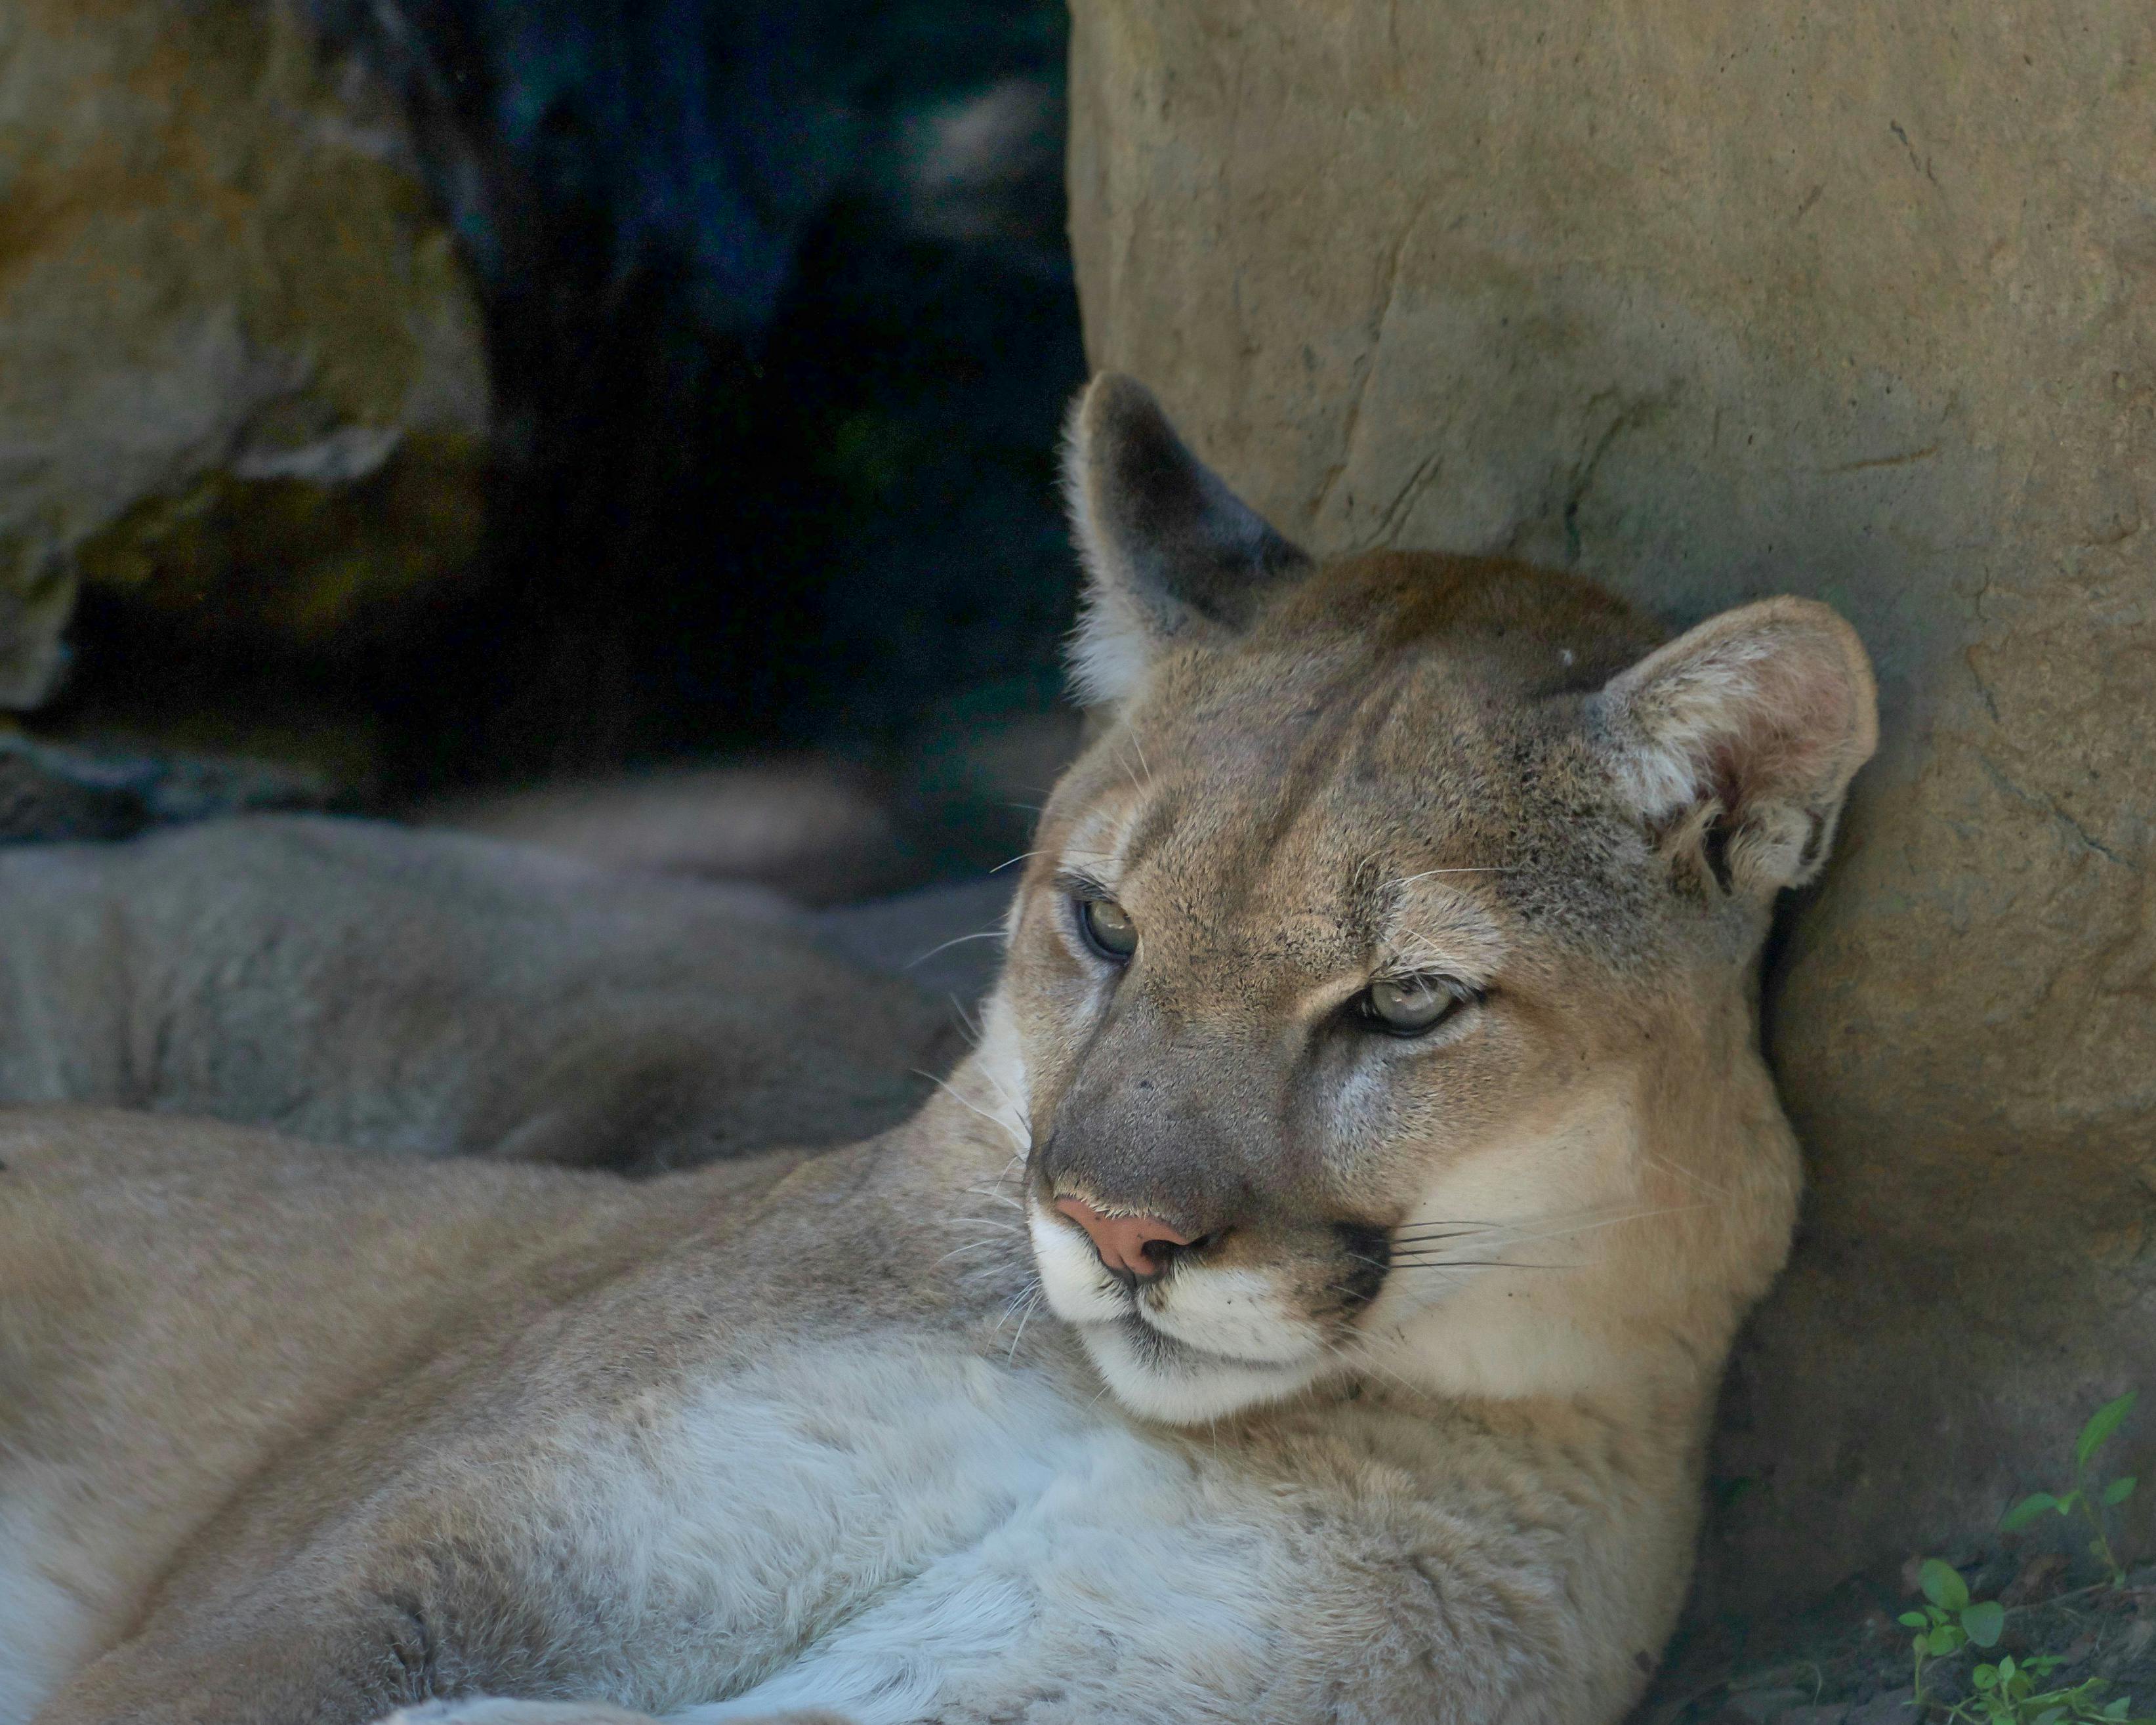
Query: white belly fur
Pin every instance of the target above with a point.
(866, 1528)
(46, 1628)
(869, 1526)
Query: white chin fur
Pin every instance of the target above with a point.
(1151, 1373)
(1162, 1380)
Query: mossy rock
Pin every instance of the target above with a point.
(243, 375)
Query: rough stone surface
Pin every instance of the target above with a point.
(241, 375)
(1713, 302)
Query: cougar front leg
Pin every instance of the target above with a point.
(333, 1666)
(498, 1709)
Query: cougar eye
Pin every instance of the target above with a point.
(1108, 929)
(1408, 1006)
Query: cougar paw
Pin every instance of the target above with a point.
(800, 1716)
(499, 1710)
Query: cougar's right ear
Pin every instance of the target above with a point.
(1738, 741)
(1171, 554)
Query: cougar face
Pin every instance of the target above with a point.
(1383, 967)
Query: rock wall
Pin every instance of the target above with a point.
(241, 375)
(1712, 301)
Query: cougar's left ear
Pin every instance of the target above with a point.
(1172, 555)
(1736, 742)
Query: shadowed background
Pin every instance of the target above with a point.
(461, 393)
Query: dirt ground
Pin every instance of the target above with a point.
(1848, 1660)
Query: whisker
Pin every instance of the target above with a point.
(1011, 1308)
(1356, 1351)
(978, 1245)
(1002, 1125)
(1445, 1222)
(1009, 1101)
(1032, 1305)
(1352, 1300)
(986, 934)
(1595, 1222)
(1428, 874)
(992, 1221)
(1503, 1236)
(982, 1239)
(1474, 1264)
(1686, 1175)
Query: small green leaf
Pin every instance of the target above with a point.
(2118, 1490)
(2026, 1511)
(2107, 1419)
(2116, 1709)
(1914, 1620)
(1985, 1677)
(1943, 1584)
(1983, 1621)
(1944, 1640)
(1932, 1615)
(2049, 1715)
(1920, 1644)
(2067, 1502)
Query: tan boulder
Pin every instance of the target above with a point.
(1712, 301)
(242, 371)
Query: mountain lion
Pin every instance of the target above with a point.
(1305, 1305)
(431, 994)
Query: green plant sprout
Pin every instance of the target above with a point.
(1948, 1621)
(2006, 1693)
(2087, 1494)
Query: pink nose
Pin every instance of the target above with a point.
(1125, 1243)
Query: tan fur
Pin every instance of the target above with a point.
(283, 1438)
(363, 984)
